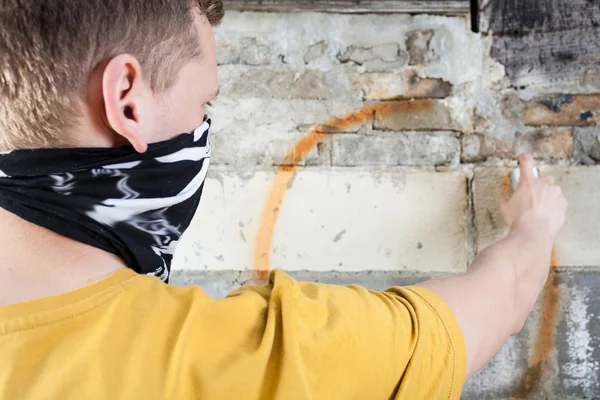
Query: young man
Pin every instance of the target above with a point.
(105, 149)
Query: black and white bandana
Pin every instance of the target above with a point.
(133, 205)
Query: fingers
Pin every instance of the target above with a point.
(526, 169)
(547, 180)
(505, 210)
(556, 191)
(527, 173)
(503, 205)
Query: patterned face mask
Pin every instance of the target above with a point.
(133, 205)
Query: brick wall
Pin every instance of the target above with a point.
(384, 187)
(413, 111)
(381, 143)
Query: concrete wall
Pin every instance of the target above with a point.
(373, 149)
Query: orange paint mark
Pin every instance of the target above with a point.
(348, 121)
(404, 107)
(545, 342)
(301, 149)
(284, 175)
(506, 185)
(553, 260)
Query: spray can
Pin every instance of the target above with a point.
(515, 174)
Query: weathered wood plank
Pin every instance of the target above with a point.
(544, 42)
(353, 6)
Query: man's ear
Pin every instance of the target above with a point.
(123, 92)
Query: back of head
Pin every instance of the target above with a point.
(49, 48)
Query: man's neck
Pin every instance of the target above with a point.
(37, 263)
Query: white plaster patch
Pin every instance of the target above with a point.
(582, 370)
(502, 369)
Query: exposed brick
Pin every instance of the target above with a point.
(414, 115)
(490, 185)
(512, 106)
(376, 58)
(244, 128)
(388, 52)
(340, 219)
(587, 145)
(278, 84)
(351, 124)
(471, 148)
(427, 87)
(239, 81)
(577, 244)
(360, 120)
(309, 84)
(564, 110)
(418, 46)
(393, 86)
(416, 148)
(315, 51)
(278, 152)
(323, 158)
(543, 144)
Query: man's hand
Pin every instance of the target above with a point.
(537, 207)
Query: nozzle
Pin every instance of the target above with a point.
(515, 174)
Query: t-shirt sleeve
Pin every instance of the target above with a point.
(309, 340)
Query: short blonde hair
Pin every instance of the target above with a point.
(48, 48)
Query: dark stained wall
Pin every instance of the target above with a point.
(544, 41)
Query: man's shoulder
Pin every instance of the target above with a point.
(150, 294)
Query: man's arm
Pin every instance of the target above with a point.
(308, 340)
(493, 299)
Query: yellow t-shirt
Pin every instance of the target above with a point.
(133, 337)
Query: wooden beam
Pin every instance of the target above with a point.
(544, 42)
(353, 6)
